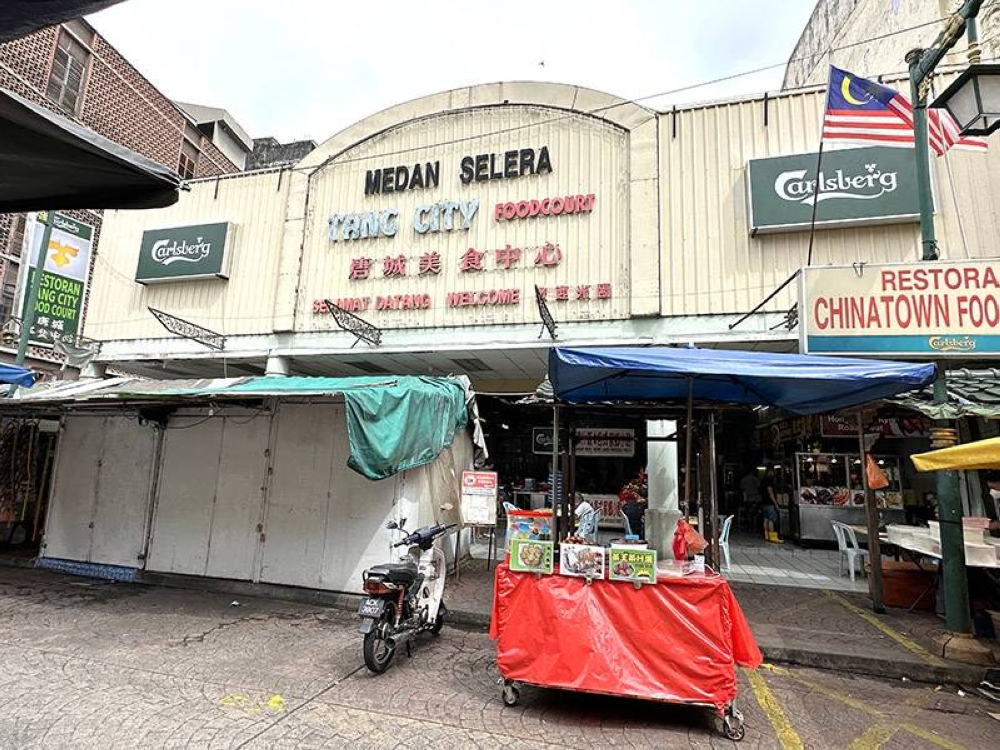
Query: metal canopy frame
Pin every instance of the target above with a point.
(188, 330)
(358, 327)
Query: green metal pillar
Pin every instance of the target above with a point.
(928, 243)
(953, 576)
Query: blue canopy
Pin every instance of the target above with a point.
(800, 383)
(18, 375)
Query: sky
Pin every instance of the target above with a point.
(299, 69)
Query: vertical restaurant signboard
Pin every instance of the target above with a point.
(65, 269)
(929, 309)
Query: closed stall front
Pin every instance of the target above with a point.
(324, 524)
(239, 479)
(210, 495)
(100, 496)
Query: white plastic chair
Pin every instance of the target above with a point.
(847, 543)
(625, 523)
(727, 524)
(587, 526)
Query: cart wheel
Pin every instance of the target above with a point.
(511, 695)
(733, 727)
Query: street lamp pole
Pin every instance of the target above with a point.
(922, 63)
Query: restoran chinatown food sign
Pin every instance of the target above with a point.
(935, 309)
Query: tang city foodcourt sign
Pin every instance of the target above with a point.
(941, 309)
(352, 231)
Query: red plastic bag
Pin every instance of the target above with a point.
(680, 546)
(877, 480)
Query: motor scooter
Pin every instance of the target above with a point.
(404, 599)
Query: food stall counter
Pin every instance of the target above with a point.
(678, 640)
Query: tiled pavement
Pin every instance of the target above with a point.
(755, 561)
(102, 665)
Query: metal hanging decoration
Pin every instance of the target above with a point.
(187, 330)
(361, 329)
(548, 322)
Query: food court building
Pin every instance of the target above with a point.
(468, 231)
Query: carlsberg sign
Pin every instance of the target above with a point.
(856, 186)
(184, 253)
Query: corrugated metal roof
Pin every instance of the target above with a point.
(142, 389)
(971, 393)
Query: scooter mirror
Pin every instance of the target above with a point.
(392, 525)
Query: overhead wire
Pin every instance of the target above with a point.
(619, 103)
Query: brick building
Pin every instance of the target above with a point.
(71, 69)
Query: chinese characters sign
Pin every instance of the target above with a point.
(64, 278)
(441, 237)
(630, 564)
(472, 262)
(603, 441)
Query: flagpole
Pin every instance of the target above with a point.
(812, 221)
(819, 168)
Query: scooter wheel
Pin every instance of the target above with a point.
(377, 650)
(733, 728)
(511, 695)
(439, 620)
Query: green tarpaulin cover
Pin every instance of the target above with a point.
(394, 423)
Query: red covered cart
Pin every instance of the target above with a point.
(678, 640)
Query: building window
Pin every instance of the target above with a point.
(69, 69)
(15, 237)
(188, 165)
(8, 293)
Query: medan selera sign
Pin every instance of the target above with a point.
(200, 251)
(874, 185)
(940, 309)
(443, 218)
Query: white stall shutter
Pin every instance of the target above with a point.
(242, 465)
(100, 492)
(210, 496)
(324, 521)
(123, 492)
(74, 484)
(298, 499)
(188, 478)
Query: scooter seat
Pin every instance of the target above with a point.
(403, 573)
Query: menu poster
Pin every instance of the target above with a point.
(530, 556)
(631, 564)
(479, 498)
(581, 560)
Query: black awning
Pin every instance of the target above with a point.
(21, 17)
(47, 161)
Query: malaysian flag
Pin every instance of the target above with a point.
(862, 111)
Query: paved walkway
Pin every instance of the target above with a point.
(91, 665)
(756, 561)
(813, 627)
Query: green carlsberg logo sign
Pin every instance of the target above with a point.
(184, 253)
(856, 186)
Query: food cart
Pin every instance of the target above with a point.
(678, 640)
(679, 635)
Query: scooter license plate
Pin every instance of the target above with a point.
(372, 608)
